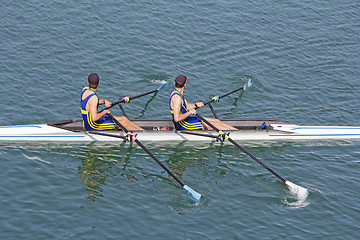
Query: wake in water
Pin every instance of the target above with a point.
(36, 158)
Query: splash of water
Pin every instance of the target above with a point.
(299, 193)
(158, 81)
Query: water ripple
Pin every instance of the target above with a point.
(303, 57)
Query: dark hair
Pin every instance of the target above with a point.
(93, 80)
(180, 81)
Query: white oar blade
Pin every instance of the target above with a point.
(193, 193)
(298, 191)
(248, 84)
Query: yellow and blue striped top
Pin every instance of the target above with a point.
(104, 123)
(189, 123)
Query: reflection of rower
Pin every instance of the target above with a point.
(93, 175)
(183, 112)
(93, 119)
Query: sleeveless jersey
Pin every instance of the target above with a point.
(189, 123)
(104, 123)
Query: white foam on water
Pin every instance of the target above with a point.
(158, 81)
(299, 193)
(36, 158)
(296, 204)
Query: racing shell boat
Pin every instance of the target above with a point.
(164, 130)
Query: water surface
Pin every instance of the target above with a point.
(303, 57)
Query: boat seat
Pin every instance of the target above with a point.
(129, 125)
(219, 124)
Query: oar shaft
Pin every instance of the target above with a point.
(198, 134)
(137, 96)
(147, 151)
(107, 134)
(246, 85)
(242, 149)
(143, 94)
(213, 111)
(158, 162)
(257, 160)
(224, 95)
(131, 98)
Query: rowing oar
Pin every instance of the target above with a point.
(295, 189)
(127, 99)
(217, 98)
(132, 137)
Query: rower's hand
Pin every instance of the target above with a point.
(199, 104)
(108, 104)
(107, 111)
(192, 111)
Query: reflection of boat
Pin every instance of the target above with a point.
(163, 130)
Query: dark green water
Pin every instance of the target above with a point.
(303, 57)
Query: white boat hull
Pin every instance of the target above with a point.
(277, 132)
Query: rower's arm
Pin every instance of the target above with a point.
(194, 105)
(176, 103)
(106, 102)
(190, 105)
(93, 101)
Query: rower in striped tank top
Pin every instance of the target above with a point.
(182, 111)
(89, 103)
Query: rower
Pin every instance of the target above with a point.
(183, 113)
(93, 119)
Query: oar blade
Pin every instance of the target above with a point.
(298, 191)
(163, 86)
(193, 193)
(248, 84)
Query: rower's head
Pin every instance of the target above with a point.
(180, 81)
(93, 80)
